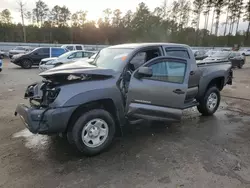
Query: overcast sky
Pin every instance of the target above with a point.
(94, 7)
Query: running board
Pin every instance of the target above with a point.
(190, 105)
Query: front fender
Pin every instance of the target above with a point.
(99, 94)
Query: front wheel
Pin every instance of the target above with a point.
(26, 64)
(93, 132)
(210, 103)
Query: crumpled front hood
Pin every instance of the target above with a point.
(77, 69)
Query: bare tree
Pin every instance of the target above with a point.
(212, 24)
(239, 13)
(218, 10)
(227, 16)
(247, 18)
(22, 11)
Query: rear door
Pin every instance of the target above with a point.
(56, 52)
(40, 54)
(161, 96)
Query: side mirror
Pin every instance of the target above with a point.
(35, 53)
(145, 72)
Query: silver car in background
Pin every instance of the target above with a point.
(68, 57)
(20, 50)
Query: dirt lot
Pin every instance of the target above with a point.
(199, 152)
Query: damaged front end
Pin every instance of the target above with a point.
(40, 116)
(41, 94)
(46, 114)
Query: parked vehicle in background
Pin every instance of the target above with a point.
(245, 52)
(2, 54)
(128, 82)
(200, 54)
(226, 49)
(237, 59)
(73, 47)
(1, 63)
(92, 58)
(68, 57)
(234, 57)
(34, 57)
(210, 53)
(20, 50)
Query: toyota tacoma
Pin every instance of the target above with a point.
(90, 103)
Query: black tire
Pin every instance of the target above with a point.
(244, 54)
(26, 64)
(203, 107)
(1, 56)
(83, 121)
(240, 65)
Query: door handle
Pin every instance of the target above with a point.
(192, 72)
(179, 91)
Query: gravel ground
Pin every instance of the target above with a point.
(198, 152)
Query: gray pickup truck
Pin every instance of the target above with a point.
(89, 103)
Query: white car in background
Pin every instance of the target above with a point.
(65, 58)
(209, 53)
(20, 50)
(73, 47)
(245, 52)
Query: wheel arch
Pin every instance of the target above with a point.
(219, 82)
(106, 104)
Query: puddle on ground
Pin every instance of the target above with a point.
(33, 141)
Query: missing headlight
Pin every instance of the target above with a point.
(52, 94)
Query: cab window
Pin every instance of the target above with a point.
(70, 48)
(78, 47)
(177, 52)
(168, 71)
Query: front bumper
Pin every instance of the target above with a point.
(45, 120)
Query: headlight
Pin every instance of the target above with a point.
(51, 62)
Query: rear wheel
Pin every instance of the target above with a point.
(93, 132)
(26, 64)
(1, 56)
(210, 103)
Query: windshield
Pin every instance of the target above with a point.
(112, 58)
(66, 54)
(221, 54)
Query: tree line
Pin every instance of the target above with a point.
(196, 23)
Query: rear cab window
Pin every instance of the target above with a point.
(79, 48)
(177, 52)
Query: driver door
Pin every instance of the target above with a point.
(159, 96)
